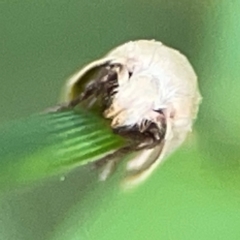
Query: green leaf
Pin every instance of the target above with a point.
(43, 145)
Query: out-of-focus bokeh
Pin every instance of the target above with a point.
(193, 195)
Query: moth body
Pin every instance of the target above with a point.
(150, 94)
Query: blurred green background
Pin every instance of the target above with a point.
(196, 193)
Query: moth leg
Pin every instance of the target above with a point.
(140, 141)
(108, 164)
(148, 139)
(152, 149)
(150, 156)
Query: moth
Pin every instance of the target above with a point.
(149, 92)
